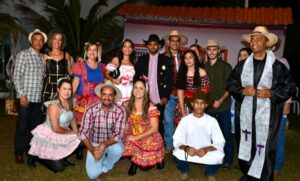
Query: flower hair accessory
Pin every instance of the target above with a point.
(61, 79)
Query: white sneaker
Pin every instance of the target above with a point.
(184, 176)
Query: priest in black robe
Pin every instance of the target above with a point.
(260, 85)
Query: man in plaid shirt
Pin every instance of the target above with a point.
(103, 126)
(28, 79)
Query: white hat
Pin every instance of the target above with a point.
(262, 30)
(183, 39)
(37, 31)
(108, 84)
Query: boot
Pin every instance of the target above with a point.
(31, 161)
(160, 166)
(79, 152)
(132, 169)
(68, 163)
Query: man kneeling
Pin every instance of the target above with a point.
(198, 138)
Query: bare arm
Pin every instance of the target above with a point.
(69, 65)
(180, 93)
(75, 84)
(54, 114)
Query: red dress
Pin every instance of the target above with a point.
(189, 92)
(148, 151)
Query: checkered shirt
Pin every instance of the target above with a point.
(99, 126)
(28, 75)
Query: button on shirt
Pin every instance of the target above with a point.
(28, 75)
(99, 126)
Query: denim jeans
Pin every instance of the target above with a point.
(28, 118)
(169, 121)
(280, 145)
(111, 155)
(184, 166)
(224, 120)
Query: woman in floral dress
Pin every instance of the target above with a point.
(143, 143)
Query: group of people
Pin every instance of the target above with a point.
(143, 108)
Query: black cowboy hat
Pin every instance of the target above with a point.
(154, 37)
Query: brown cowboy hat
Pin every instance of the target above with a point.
(198, 95)
(183, 39)
(262, 30)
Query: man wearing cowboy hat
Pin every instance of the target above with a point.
(218, 71)
(102, 128)
(174, 41)
(158, 70)
(28, 80)
(260, 86)
(198, 139)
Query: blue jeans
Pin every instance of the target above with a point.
(28, 118)
(224, 120)
(280, 145)
(111, 155)
(184, 166)
(169, 121)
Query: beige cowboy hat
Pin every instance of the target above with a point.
(183, 39)
(37, 31)
(214, 43)
(108, 84)
(262, 30)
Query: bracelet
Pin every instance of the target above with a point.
(186, 154)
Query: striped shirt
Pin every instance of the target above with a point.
(28, 75)
(99, 126)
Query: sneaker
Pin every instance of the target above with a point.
(211, 178)
(184, 176)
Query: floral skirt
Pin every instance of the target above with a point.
(145, 152)
(47, 144)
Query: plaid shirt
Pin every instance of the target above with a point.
(29, 74)
(99, 126)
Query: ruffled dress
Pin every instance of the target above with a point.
(46, 144)
(148, 151)
(127, 73)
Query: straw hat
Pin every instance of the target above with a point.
(214, 43)
(37, 31)
(183, 39)
(108, 84)
(262, 30)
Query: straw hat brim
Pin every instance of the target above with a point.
(183, 39)
(37, 31)
(272, 38)
(108, 84)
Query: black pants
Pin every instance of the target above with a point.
(28, 118)
(53, 165)
(161, 109)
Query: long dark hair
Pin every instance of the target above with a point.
(182, 72)
(132, 58)
(59, 84)
(248, 50)
(146, 100)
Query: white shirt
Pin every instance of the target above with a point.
(198, 133)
